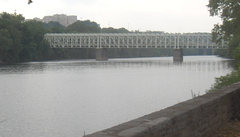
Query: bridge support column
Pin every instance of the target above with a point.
(213, 50)
(204, 51)
(101, 54)
(178, 55)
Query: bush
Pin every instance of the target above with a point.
(224, 81)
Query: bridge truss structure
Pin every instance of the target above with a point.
(132, 40)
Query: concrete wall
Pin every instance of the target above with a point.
(192, 118)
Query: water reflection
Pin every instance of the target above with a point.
(73, 65)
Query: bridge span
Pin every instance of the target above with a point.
(103, 41)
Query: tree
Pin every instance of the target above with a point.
(10, 29)
(21, 41)
(89, 23)
(54, 27)
(229, 11)
(83, 27)
(35, 46)
(53, 24)
(113, 30)
(229, 30)
(5, 43)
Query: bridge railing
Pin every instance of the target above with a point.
(132, 40)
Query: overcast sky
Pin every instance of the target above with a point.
(157, 15)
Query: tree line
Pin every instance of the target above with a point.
(22, 41)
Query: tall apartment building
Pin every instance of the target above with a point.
(61, 18)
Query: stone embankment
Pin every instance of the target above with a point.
(192, 118)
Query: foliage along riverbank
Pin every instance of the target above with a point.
(22, 41)
(228, 11)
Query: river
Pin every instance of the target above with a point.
(68, 98)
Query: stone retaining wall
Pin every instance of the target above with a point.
(192, 118)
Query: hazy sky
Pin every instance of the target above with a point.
(157, 15)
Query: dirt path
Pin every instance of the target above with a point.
(230, 129)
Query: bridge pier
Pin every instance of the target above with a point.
(204, 51)
(101, 54)
(178, 55)
(213, 50)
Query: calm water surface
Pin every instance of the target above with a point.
(66, 98)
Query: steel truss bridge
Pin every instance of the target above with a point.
(132, 40)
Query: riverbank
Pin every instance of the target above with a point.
(196, 117)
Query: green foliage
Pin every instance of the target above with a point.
(34, 45)
(224, 81)
(10, 30)
(52, 24)
(21, 41)
(112, 30)
(222, 53)
(89, 23)
(83, 27)
(229, 11)
(54, 27)
(56, 30)
(5, 43)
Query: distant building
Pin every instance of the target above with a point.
(61, 19)
(37, 19)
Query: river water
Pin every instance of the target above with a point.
(68, 98)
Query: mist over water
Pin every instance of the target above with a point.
(66, 98)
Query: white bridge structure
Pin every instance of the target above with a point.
(102, 41)
(131, 40)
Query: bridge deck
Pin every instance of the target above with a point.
(132, 40)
